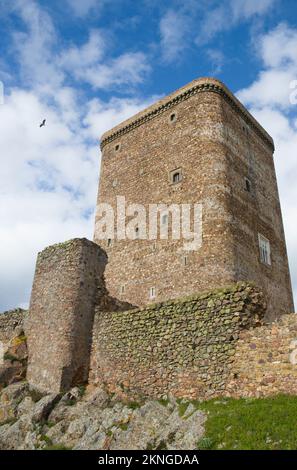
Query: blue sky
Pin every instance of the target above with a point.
(86, 65)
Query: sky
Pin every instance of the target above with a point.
(86, 65)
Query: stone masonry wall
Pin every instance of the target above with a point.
(68, 283)
(183, 347)
(265, 360)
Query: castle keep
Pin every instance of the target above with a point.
(151, 316)
(198, 145)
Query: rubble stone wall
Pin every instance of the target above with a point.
(184, 347)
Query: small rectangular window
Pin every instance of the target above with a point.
(185, 260)
(265, 250)
(122, 289)
(175, 176)
(152, 293)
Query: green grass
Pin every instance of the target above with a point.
(10, 421)
(164, 401)
(57, 447)
(36, 395)
(123, 426)
(82, 390)
(11, 357)
(46, 439)
(250, 424)
(133, 405)
(182, 408)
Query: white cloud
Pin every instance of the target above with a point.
(278, 48)
(88, 64)
(278, 51)
(268, 99)
(128, 69)
(84, 7)
(198, 23)
(217, 60)
(173, 29)
(228, 14)
(43, 66)
(34, 46)
(271, 89)
(248, 8)
(88, 54)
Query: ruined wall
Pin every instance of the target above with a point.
(265, 360)
(68, 283)
(184, 347)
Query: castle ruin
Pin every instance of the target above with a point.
(146, 315)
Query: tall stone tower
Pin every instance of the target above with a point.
(196, 146)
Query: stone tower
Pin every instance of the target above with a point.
(196, 146)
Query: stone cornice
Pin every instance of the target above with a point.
(198, 86)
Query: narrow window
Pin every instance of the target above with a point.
(265, 250)
(117, 147)
(137, 232)
(185, 260)
(172, 117)
(109, 241)
(152, 293)
(122, 289)
(175, 176)
(248, 185)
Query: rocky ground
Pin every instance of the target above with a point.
(95, 420)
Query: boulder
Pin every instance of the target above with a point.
(43, 407)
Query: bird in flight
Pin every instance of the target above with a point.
(43, 123)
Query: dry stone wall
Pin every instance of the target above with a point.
(183, 347)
